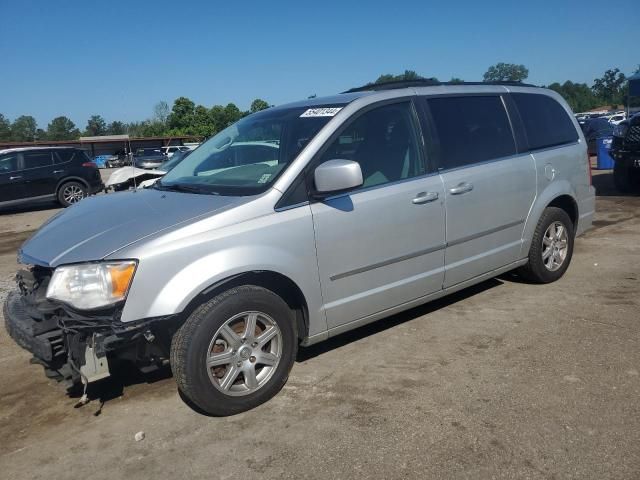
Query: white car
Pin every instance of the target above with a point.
(170, 150)
(616, 119)
(127, 177)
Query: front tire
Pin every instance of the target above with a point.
(235, 351)
(551, 247)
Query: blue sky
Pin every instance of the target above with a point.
(118, 59)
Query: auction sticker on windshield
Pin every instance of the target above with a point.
(321, 112)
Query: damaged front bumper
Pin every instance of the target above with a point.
(77, 347)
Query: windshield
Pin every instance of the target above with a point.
(173, 161)
(247, 157)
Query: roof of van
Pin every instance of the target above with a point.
(415, 86)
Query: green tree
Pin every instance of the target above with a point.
(257, 105)
(23, 129)
(95, 126)
(231, 114)
(62, 128)
(456, 80)
(578, 95)
(181, 116)
(161, 112)
(611, 87)
(506, 72)
(5, 129)
(115, 128)
(408, 75)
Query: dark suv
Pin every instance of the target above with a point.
(41, 173)
(625, 150)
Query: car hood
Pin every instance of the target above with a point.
(98, 226)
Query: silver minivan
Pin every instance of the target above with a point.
(354, 207)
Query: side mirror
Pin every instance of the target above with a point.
(334, 176)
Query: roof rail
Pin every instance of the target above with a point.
(426, 82)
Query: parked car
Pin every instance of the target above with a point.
(225, 268)
(616, 119)
(47, 173)
(625, 151)
(595, 128)
(148, 158)
(170, 150)
(128, 177)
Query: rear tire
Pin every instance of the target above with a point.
(71, 192)
(551, 247)
(220, 358)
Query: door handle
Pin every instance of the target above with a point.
(425, 197)
(461, 188)
(58, 171)
(16, 177)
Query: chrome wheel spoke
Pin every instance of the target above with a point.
(250, 325)
(547, 241)
(547, 253)
(230, 336)
(559, 231)
(265, 336)
(267, 358)
(250, 379)
(217, 359)
(229, 377)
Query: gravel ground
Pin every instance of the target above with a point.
(502, 380)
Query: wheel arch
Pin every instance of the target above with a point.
(558, 194)
(276, 282)
(568, 204)
(71, 179)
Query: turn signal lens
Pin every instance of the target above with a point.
(120, 276)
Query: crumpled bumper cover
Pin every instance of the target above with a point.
(27, 333)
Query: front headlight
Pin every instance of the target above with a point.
(91, 285)
(620, 130)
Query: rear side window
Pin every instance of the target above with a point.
(64, 156)
(471, 129)
(547, 124)
(37, 159)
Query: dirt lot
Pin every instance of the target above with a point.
(504, 380)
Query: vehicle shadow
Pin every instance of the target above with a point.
(381, 325)
(125, 375)
(30, 207)
(603, 182)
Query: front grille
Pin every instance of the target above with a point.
(633, 135)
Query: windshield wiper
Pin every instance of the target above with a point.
(181, 187)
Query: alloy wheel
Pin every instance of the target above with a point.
(555, 245)
(244, 353)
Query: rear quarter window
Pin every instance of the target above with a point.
(546, 122)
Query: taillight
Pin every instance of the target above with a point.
(589, 168)
(90, 164)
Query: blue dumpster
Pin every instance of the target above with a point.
(605, 162)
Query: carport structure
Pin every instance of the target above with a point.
(108, 144)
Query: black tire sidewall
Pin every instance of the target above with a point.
(537, 271)
(60, 195)
(197, 333)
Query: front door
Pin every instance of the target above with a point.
(489, 187)
(11, 178)
(381, 245)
